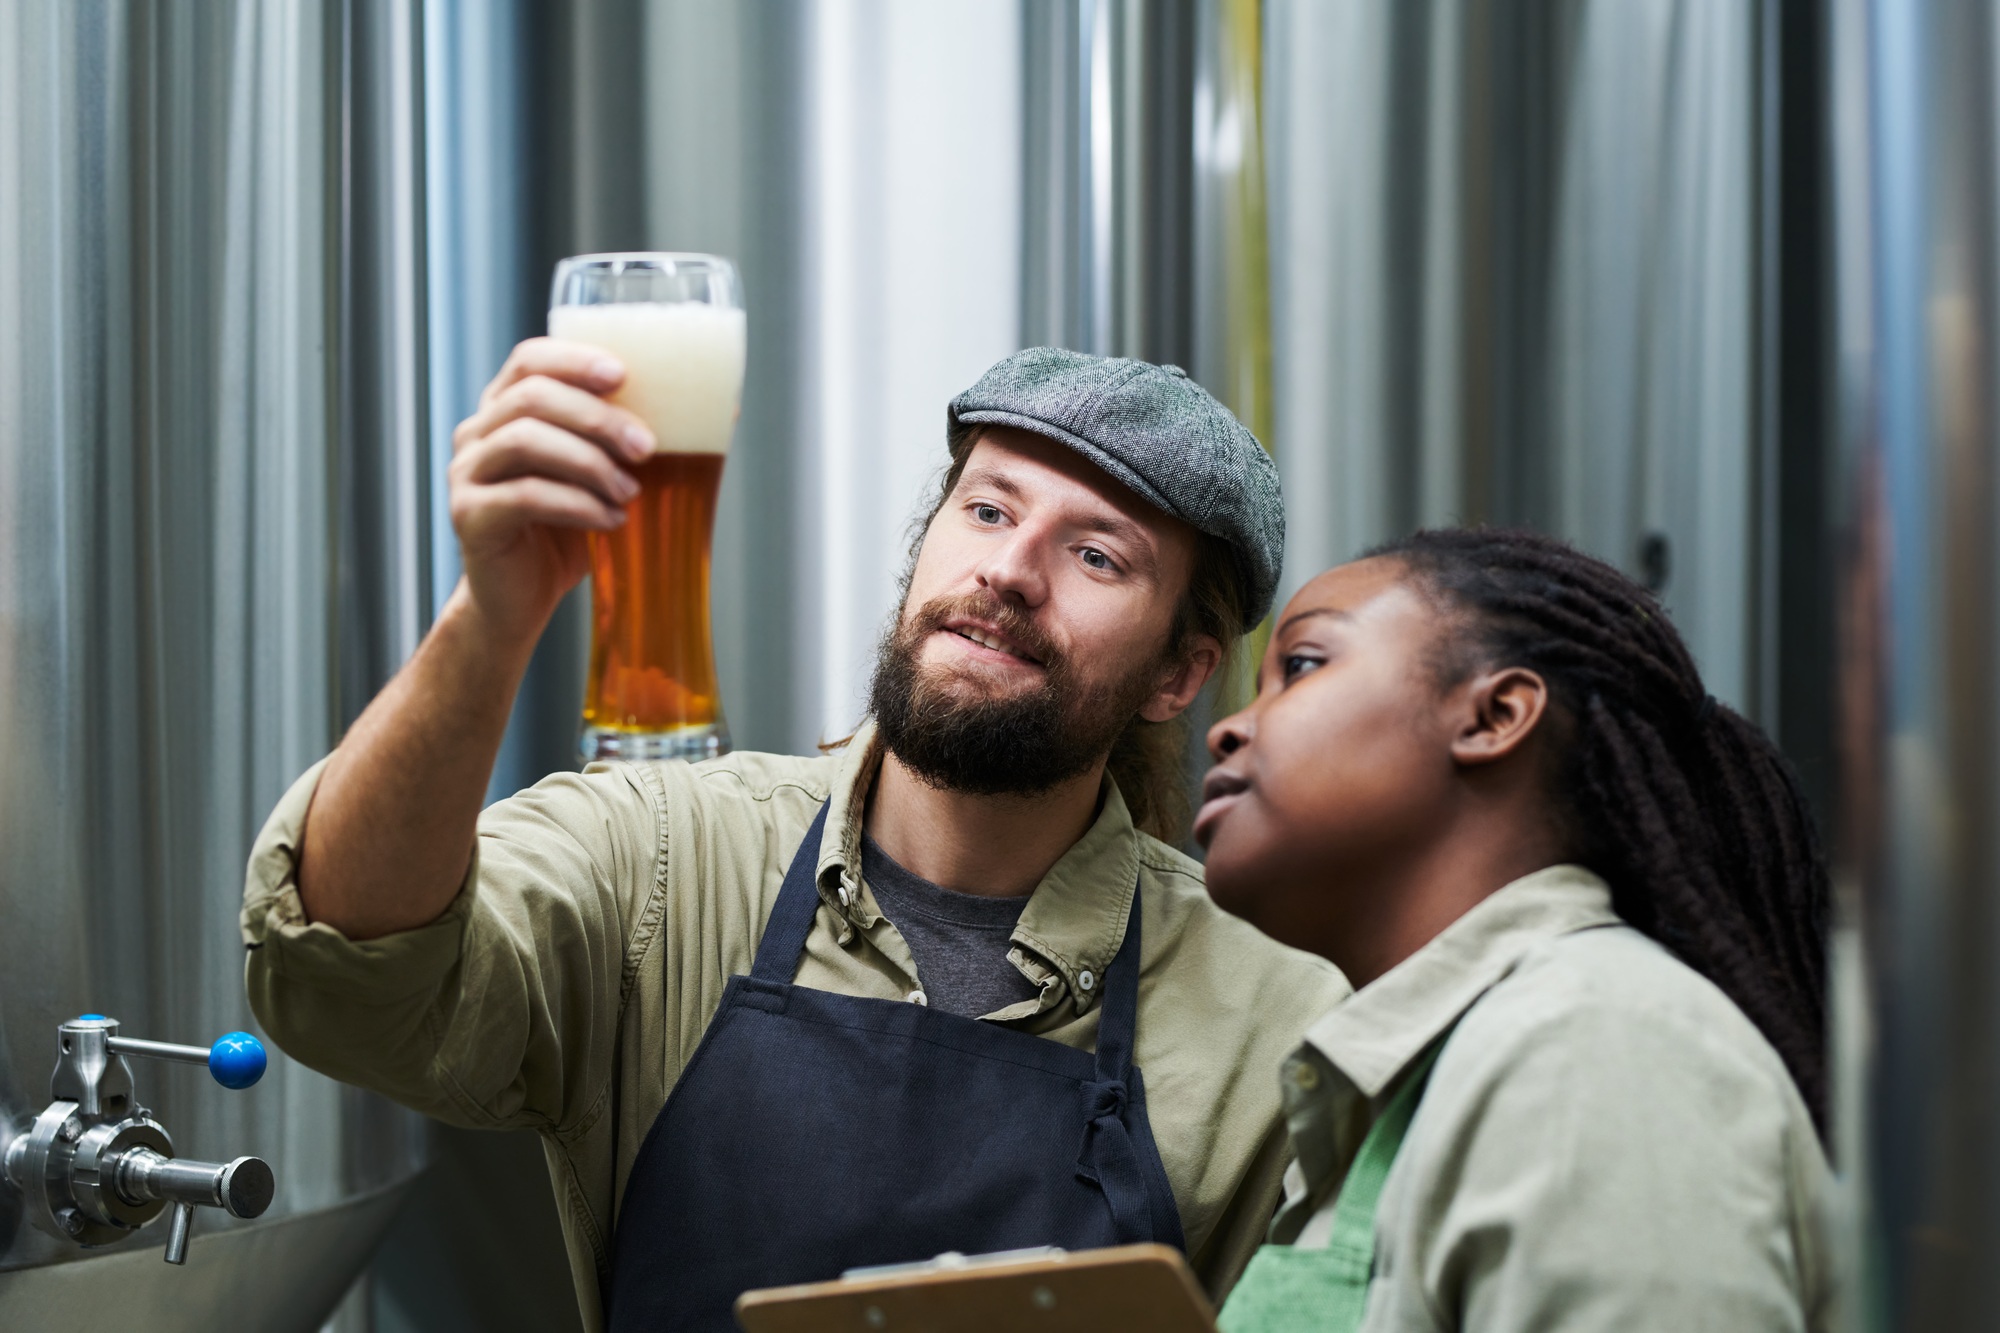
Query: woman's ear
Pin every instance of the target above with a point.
(1507, 706)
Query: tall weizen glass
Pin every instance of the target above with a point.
(676, 322)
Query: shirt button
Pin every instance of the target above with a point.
(846, 896)
(918, 997)
(1085, 979)
(1304, 1075)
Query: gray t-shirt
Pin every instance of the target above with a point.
(959, 940)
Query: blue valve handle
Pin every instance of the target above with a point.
(236, 1060)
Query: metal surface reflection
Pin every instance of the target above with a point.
(211, 544)
(1108, 203)
(1516, 278)
(1917, 100)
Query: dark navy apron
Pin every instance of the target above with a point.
(814, 1132)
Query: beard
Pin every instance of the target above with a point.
(956, 733)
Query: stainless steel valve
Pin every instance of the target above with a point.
(95, 1166)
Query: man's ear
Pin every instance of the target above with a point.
(1179, 689)
(1506, 707)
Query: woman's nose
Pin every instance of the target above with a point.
(1231, 734)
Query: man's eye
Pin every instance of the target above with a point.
(986, 513)
(1095, 558)
(1296, 665)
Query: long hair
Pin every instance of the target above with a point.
(1149, 759)
(1684, 806)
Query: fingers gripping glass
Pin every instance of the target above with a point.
(676, 322)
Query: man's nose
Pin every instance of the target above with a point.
(1016, 569)
(1232, 734)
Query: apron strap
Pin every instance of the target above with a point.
(1289, 1290)
(1354, 1207)
(792, 918)
(1120, 1018)
(1108, 1157)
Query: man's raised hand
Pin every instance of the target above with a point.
(540, 464)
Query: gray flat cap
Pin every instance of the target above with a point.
(1156, 431)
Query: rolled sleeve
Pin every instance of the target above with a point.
(310, 955)
(501, 1012)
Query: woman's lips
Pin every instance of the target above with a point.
(1220, 790)
(1210, 815)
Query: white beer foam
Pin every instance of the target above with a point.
(683, 365)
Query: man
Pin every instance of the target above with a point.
(777, 1017)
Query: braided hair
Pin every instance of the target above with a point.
(1684, 806)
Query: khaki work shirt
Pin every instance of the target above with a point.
(568, 984)
(1606, 1141)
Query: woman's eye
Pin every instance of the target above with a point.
(1296, 665)
(986, 513)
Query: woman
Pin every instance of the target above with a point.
(1584, 909)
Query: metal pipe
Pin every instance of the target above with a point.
(159, 1050)
(177, 1233)
(242, 1188)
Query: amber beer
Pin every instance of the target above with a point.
(652, 666)
(651, 692)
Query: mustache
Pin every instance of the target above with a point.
(1011, 621)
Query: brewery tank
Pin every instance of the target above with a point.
(212, 545)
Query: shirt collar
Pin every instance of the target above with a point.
(1374, 1034)
(838, 873)
(1076, 918)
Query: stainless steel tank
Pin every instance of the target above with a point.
(1915, 154)
(1519, 261)
(212, 543)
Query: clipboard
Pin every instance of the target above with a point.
(1045, 1290)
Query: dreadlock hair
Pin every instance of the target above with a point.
(1684, 806)
(1149, 759)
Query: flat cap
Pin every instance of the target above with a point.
(1158, 433)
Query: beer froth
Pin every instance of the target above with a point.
(683, 365)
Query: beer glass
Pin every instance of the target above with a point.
(676, 322)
